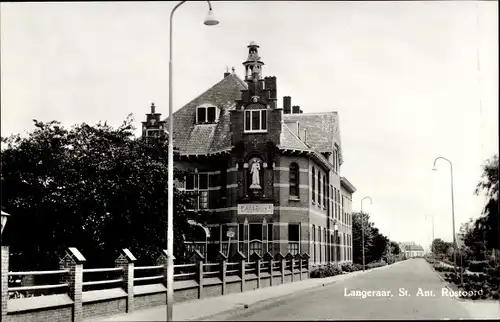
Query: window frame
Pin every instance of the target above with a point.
(196, 189)
(206, 108)
(313, 180)
(250, 130)
(294, 190)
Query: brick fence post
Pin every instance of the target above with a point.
(240, 257)
(73, 261)
(298, 258)
(257, 259)
(126, 262)
(5, 282)
(197, 258)
(307, 258)
(222, 259)
(163, 260)
(269, 258)
(279, 257)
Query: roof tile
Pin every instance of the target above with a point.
(190, 138)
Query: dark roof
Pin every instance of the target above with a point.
(191, 138)
(322, 130)
(412, 247)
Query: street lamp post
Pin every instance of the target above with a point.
(209, 21)
(335, 232)
(432, 242)
(452, 209)
(363, 230)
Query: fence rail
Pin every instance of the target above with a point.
(118, 280)
(148, 278)
(36, 287)
(100, 270)
(60, 271)
(140, 268)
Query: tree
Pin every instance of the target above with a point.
(395, 248)
(440, 247)
(97, 188)
(357, 248)
(378, 248)
(375, 243)
(488, 225)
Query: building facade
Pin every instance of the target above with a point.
(267, 177)
(411, 249)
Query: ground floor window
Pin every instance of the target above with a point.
(293, 238)
(270, 238)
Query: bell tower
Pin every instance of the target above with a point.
(253, 64)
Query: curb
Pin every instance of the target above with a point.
(273, 300)
(446, 284)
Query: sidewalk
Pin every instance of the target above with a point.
(205, 308)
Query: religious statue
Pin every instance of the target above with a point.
(254, 171)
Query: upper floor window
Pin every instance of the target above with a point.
(255, 121)
(319, 188)
(294, 179)
(313, 181)
(324, 191)
(206, 114)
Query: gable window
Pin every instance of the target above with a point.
(211, 114)
(294, 180)
(206, 114)
(255, 121)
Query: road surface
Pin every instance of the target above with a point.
(409, 290)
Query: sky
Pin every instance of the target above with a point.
(411, 81)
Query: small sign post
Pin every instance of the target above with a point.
(229, 234)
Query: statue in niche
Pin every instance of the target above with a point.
(255, 172)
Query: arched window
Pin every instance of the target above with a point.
(313, 181)
(294, 179)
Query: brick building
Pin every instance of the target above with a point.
(267, 176)
(411, 249)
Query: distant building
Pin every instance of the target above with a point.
(267, 177)
(411, 249)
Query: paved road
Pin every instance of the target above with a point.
(398, 297)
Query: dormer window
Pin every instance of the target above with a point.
(206, 113)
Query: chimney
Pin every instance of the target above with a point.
(227, 73)
(153, 108)
(287, 104)
(295, 109)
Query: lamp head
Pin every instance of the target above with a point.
(210, 19)
(4, 218)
